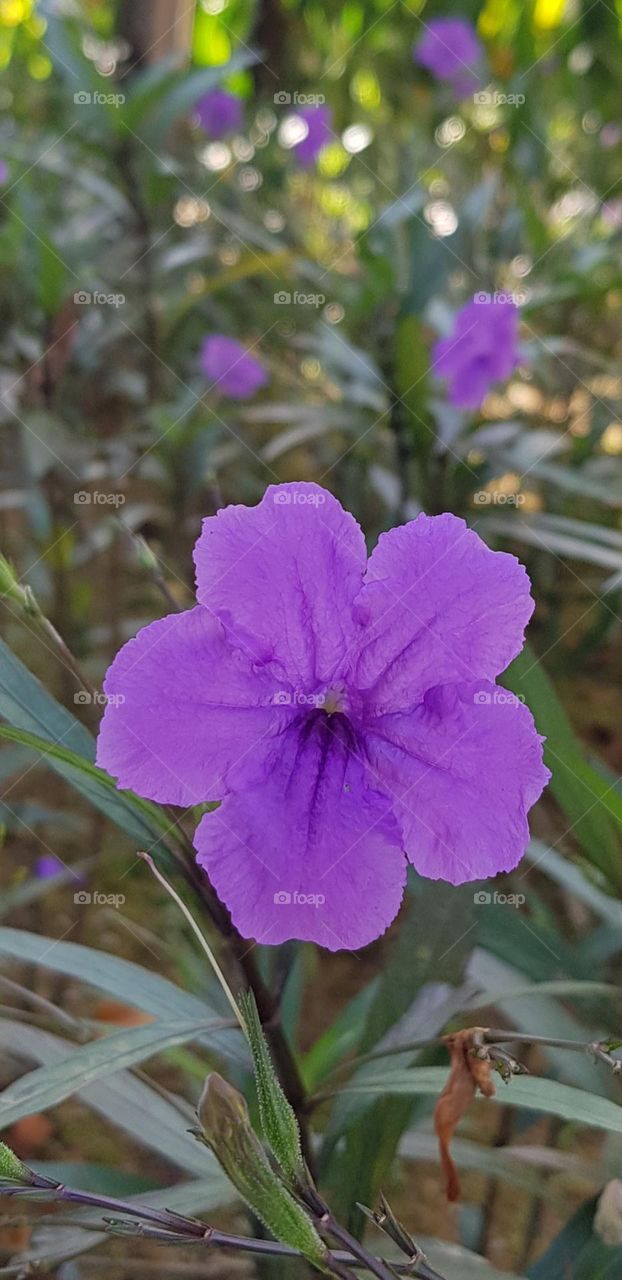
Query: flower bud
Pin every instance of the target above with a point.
(226, 1129)
(12, 1169)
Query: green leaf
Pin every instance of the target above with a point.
(523, 1091)
(123, 979)
(572, 877)
(138, 818)
(27, 705)
(121, 1099)
(41, 723)
(373, 1133)
(577, 1254)
(47, 1086)
(592, 805)
(52, 277)
(101, 1179)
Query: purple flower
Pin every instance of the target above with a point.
(451, 50)
(482, 349)
(345, 712)
(48, 866)
(231, 367)
(219, 113)
(4, 172)
(319, 131)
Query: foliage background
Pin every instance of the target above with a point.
(416, 204)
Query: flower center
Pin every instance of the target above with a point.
(334, 702)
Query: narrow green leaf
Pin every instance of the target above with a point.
(47, 1086)
(121, 1099)
(138, 818)
(123, 979)
(523, 1091)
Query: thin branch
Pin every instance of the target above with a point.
(601, 1050)
(171, 1228)
(146, 857)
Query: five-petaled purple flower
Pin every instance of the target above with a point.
(482, 349)
(219, 113)
(344, 711)
(319, 131)
(452, 52)
(236, 373)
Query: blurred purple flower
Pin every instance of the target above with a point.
(451, 51)
(481, 350)
(344, 711)
(319, 122)
(219, 113)
(4, 172)
(231, 367)
(48, 866)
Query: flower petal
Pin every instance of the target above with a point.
(187, 715)
(314, 853)
(438, 606)
(282, 576)
(464, 768)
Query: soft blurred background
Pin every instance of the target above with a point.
(330, 215)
